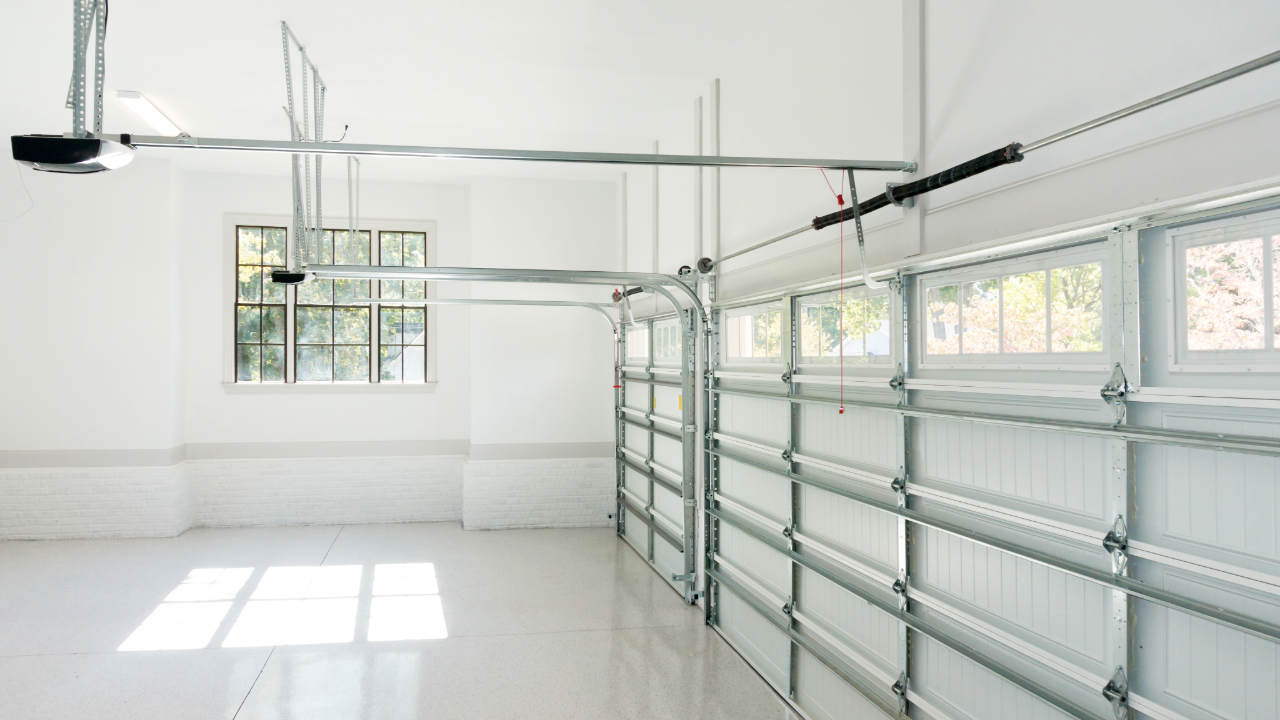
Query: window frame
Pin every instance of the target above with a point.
(735, 311)
(232, 221)
(261, 305)
(666, 323)
(867, 361)
(1181, 238)
(1093, 252)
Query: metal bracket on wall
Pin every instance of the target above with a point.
(1115, 392)
(903, 203)
(1117, 693)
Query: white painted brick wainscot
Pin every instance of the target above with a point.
(53, 503)
(539, 493)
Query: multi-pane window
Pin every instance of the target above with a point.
(1228, 277)
(332, 335)
(1041, 311)
(402, 352)
(753, 333)
(260, 305)
(329, 331)
(666, 341)
(855, 327)
(402, 330)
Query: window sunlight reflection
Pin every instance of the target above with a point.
(408, 617)
(406, 603)
(295, 606)
(294, 622)
(300, 606)
(297, 583)
(405, 579)
(192, 613)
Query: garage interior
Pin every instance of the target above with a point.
(838, 361)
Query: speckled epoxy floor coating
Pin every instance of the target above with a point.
(539, 624)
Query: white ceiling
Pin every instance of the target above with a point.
(562, 74)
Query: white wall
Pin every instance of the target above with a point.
(542, 375)
(997, 72)
(89, 335)
(217, 414)
(123, 284)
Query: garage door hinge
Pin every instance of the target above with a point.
(899, 689)
(1114, 393)
(1117, 543)
(1117, 693)
(898, 381)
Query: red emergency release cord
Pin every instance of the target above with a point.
(840, 309)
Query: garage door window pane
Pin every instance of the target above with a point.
(943, 307)
(1077, 308)
(981, 330)
(1025, 313)
(1225, 305)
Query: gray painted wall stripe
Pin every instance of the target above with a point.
(244, 451)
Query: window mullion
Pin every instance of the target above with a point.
(1000, 315)
(290, 321)
(1267, 294)
(375, 310)
(1048, 310)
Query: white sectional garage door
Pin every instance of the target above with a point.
(1052, 491)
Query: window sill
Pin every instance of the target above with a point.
(327, 388)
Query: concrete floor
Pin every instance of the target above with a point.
(534, 624)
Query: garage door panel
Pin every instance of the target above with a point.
(862, 436)
(764, 645)
(826, 697)
(667, 402)
(752, 557)
(1200, 668)
(1056, 471)
(760, 490)
(866, 534)
(669, 506)
(635, 395)
(961, 688)
(668, 452)
(636, 440)
(1058, 613)
(767, 421)
(1222, 506)
(669, 562)
(635, 482)
(860, 626)
(637, 533)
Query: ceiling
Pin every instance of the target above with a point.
(563, 74)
